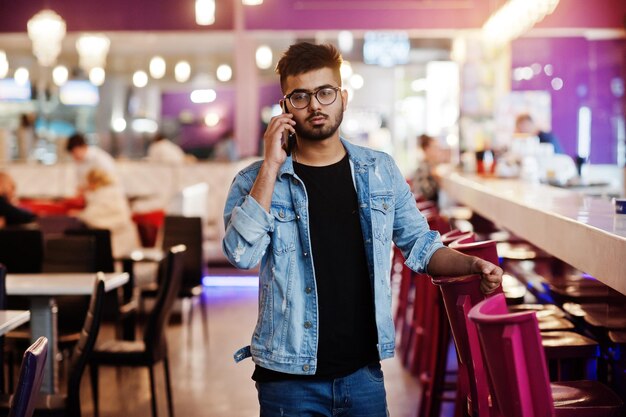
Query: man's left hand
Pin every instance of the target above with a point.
(491, 275)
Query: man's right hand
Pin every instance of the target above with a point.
(274, 154)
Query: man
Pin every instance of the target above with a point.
(10, 213)
(525, 124)
(321, 222)
(87, 158)
(163, 150)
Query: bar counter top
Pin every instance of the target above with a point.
(577, 228)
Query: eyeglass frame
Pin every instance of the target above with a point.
(310, 94)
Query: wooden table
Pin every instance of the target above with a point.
(42, 289)
(577, 228)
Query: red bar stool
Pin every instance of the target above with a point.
(518, 377)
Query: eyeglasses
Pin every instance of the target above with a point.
(301, 99)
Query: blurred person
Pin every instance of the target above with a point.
(10, 213)
(225, 149)
(25, 135)
(320, 214)
(106, 207)
(425, 183)
(524, 124)
(164, 150)
(89, 157)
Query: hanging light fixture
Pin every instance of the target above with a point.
(92, 50)
(224, 73)
(60, 74)
(157, 67)
(97, 76)
(251, 2)
(182, 71)
(514, 18)
(46, 30)
(205, 12)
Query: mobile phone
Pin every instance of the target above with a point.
(289, 138)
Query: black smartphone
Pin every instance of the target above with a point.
(289, 138)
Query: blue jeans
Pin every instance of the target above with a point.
(360, 394)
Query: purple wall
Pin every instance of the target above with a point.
(593, 74)
(196, 134)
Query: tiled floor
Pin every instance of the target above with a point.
(206, 381)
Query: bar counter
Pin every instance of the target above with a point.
(579, 229)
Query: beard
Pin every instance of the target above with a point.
(319, 133)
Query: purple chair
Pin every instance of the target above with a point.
(31, 376)
(518, 377)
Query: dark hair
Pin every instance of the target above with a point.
(304, 57)
(75, 141)
(425, 141)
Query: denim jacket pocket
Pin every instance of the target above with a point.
(284, 235)
(382, 215)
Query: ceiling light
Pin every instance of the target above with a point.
(264, 57)
(224, 73)
(140, 79)
(97, 76)
(92, 50)
(356, 81)
(118, 125)
(205, 12)
(59, 75)
(203, 96)
(345, 70)
(21, 76)
(46, 30)
(157, 67)
(144, 125)
(345, 40)
(211, 119)
(251, 2)
(182, 71)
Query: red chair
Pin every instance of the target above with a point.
(518, 377)
(456, 234)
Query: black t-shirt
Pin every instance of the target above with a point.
(347, 327)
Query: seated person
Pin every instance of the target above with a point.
(107, 208)
(524, 124)
(164, 150)
(89, 157)
(10, 213)
(425, 184)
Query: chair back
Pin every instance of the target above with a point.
(58, 224)
(456, 234)
(179, 230)
(104, 261)
(460, 294)
(171, 271)
(21, 249)
(485, 249)
(70, 254)
(29, 382)
(84, 347)
(515, 359)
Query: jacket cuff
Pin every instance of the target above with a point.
(251, 220)
(420, 254)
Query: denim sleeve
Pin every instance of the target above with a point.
(411, 232)
(247, 225)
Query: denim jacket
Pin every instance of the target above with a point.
(286, 334)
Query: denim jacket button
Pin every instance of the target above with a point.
(307, 324)
(308, 290)
(281, 214)
(306, 254)
(305, 368)
(294, 181)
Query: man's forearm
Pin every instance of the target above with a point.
(448, 262)
(263, 187)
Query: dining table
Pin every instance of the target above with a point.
(41, 290)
